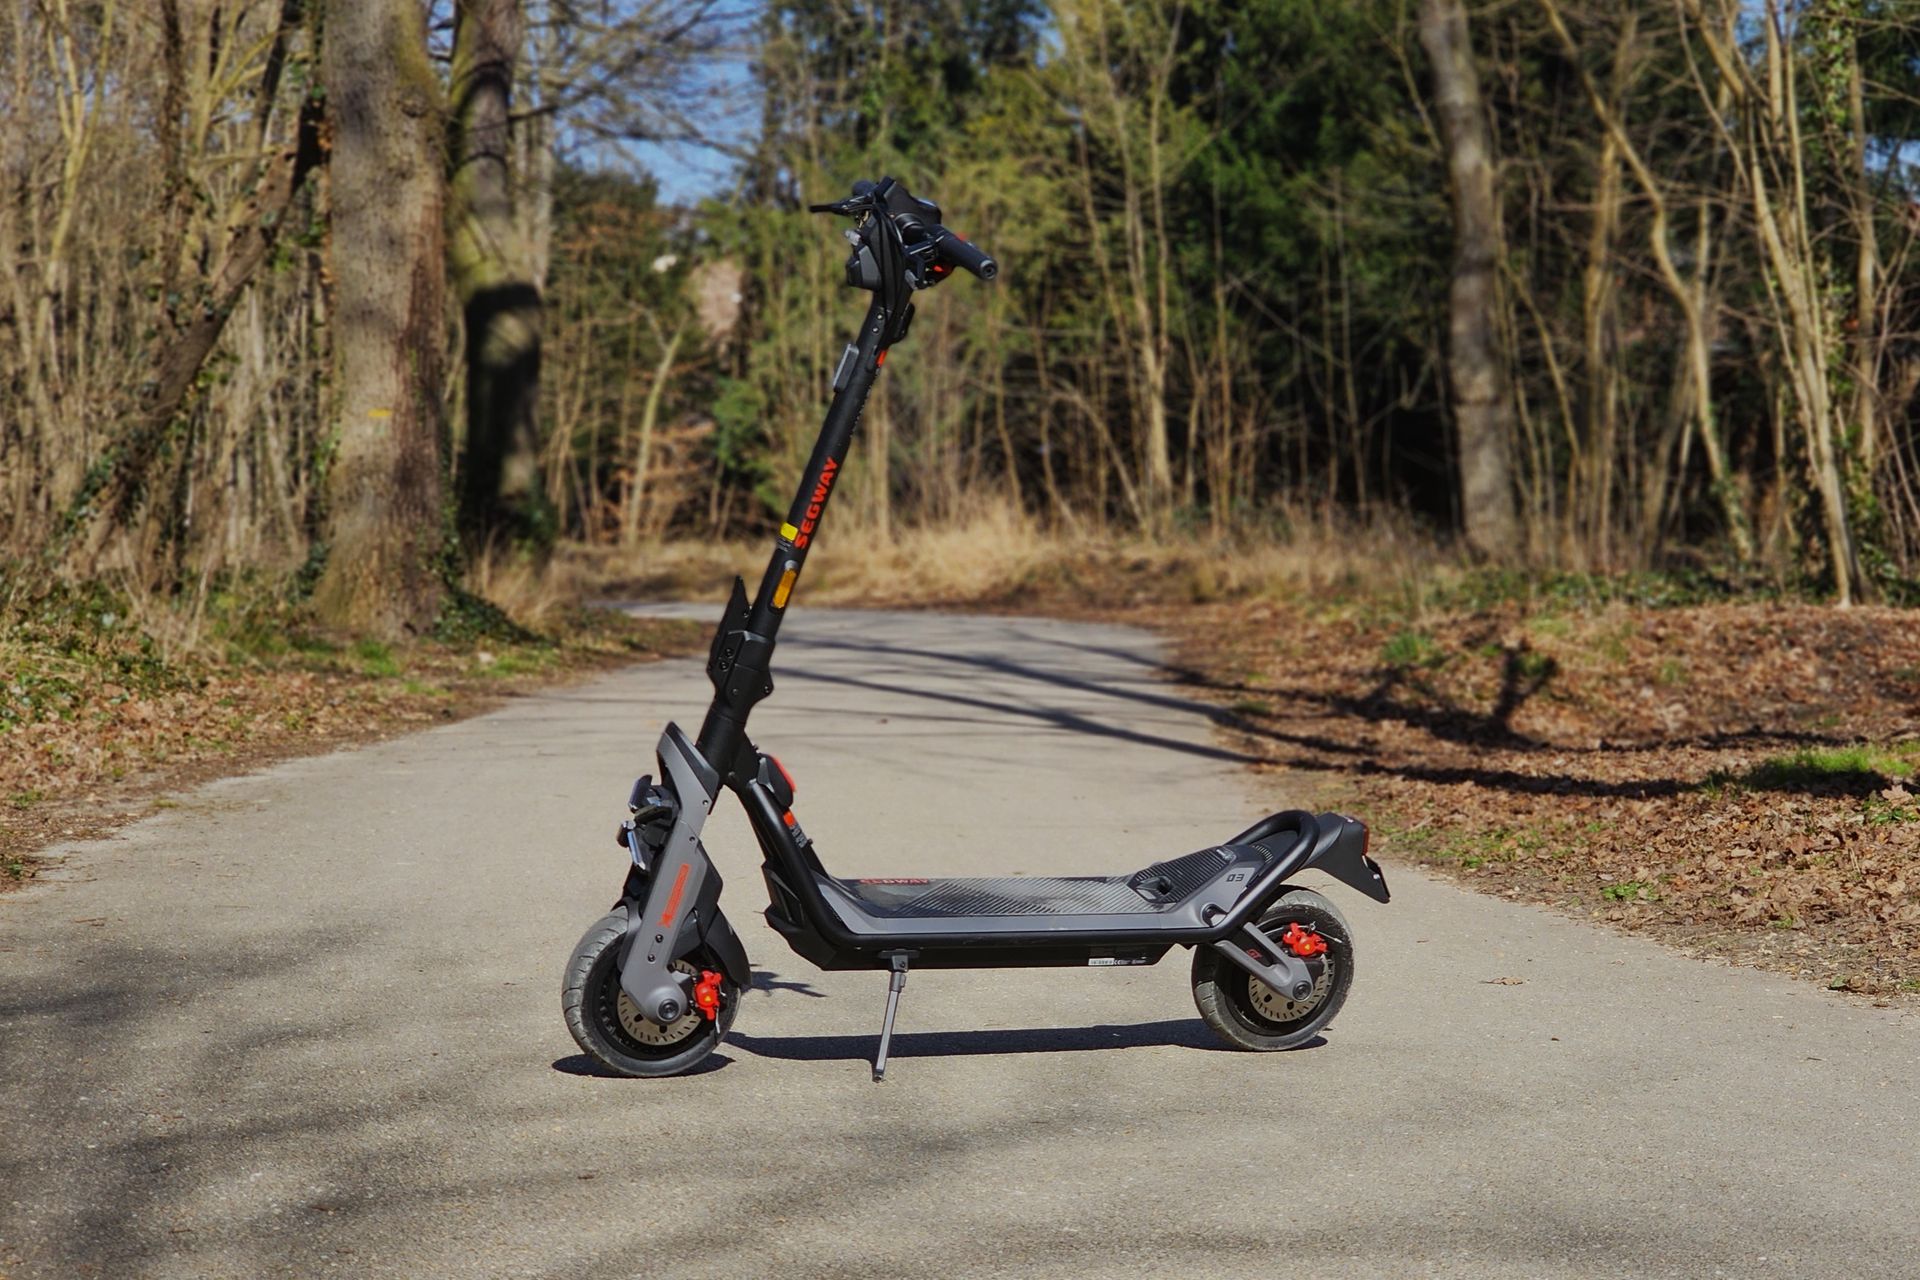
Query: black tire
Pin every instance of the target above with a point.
(605, 1024)
(1246, 1012)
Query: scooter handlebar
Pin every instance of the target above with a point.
(954, 248)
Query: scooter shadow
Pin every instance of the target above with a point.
(1180, 1033)
(579, 1064)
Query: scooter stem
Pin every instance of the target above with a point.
(723, 732)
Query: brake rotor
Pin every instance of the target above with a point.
(1274, 1007)
(646, 1030)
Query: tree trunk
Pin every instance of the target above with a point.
(1482, 398)
(501, 494)
(386, 531)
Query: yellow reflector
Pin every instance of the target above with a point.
(785, 589)
(788, 532)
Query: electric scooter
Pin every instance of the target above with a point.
(654, 986)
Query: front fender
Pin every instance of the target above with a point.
(713, 931)
(717, 935)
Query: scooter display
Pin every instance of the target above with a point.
(654, 986)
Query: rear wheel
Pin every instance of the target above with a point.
(1249, 1014)
(606, 1023)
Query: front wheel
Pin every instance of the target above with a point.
(606, 1023)
(1249, 1014)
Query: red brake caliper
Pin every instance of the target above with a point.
(706, 994)
(1304, 943)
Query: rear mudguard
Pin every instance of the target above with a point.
(1340, 850)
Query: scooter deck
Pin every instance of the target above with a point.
(1159, 904)
(1159, 888)
(949, 922)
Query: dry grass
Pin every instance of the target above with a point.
(537, 596)
(998, 557)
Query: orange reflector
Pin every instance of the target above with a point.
(785, 589)
(783, 773)
(788, 818)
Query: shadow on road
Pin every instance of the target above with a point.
(1021, 693)
(1182, 1033)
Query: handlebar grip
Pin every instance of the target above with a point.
(955, 249)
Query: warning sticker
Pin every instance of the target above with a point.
(1099, 962)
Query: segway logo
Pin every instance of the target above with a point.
(828, 474)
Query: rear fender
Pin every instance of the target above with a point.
(1342, 853)
(1339, 850)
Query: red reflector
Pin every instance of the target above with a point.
(791, 785)
(789, 819)
(879, 359)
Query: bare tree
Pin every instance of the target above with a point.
(1771, 159)
(1121, 61)
(201, 295)
(1689, 295)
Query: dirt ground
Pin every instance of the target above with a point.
(1731, 778)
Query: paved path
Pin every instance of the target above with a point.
(307, 1023)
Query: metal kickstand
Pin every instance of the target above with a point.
(896, 983)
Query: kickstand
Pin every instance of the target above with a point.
(896, 983)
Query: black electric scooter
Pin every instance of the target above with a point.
(653, 987)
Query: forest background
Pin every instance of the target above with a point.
(1593, 287)
(1535, 376)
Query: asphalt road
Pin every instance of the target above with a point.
(308, 1023)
